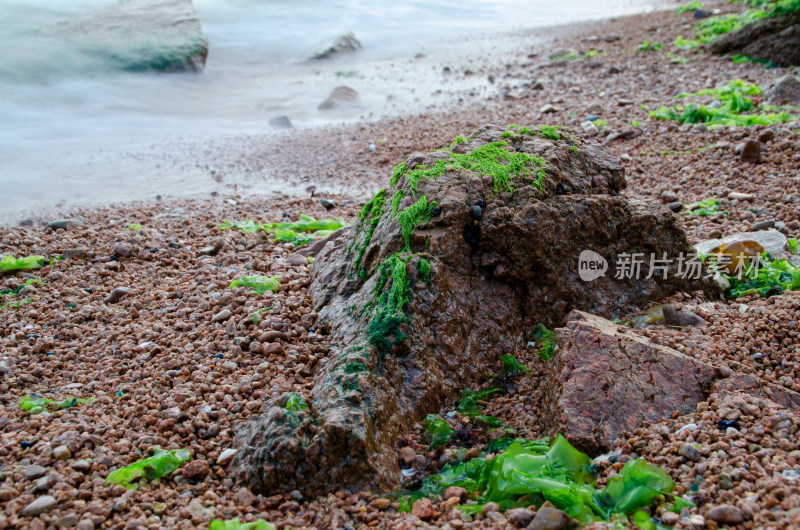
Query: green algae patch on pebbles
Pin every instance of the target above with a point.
(438, 430)
(34, 403)
(10, 263)
(527, 473)
(733, 107)
(236, 524)
(160, 465)
(299, 232)
(546, 340)
(260, 284)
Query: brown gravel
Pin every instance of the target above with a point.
(190, 364)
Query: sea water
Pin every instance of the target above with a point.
(73, 131)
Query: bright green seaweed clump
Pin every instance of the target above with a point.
(692, 6)
(300, 232)
(260, 284)
(528, 473)
(546, 340)
(384, 327)
(236, 524)
(425, 270)
(494, 159)
(34, 403)
(416, 214)
(437, 429)
(296, 402)
(10, 263)
(734, 107)
(767, 278)
(160, 465)
(370, 215)
(704, 208)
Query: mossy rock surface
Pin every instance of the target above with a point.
(450, 267)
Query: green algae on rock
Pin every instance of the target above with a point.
(480, 244)
(160, 465)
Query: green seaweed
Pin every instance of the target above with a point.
(354, 368)
(384, 328)
(15, 292)
(648, 46)
(437, 429)
(260, 284)
(133, 226)
(299, 232)
(396, 198)
(416, 214)
(705, 208)
(512, 366)
(425, 269)
(493, 159)
(10, 263)
(397, 172)
(765, 277)
(34, 403)
(526, 473)
(469, 406)
(160, 465)
(296, 402)
(792, 241)
(736, 108)
(546, 340)
(692, 6)
(236, 524)
(258, 312)
(371, 213)
(248, 226)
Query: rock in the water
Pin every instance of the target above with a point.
(751, 152)
(280, 122)
(785, 90)
(344, 43)
(419, 301)
(65, 224)
(138, 35)
(605, 381)
(726, 514)
(342, 96)
(42, 504)
(773, 39)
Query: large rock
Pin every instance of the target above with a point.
(438, 278)
(785, 91)
(138, 35)
(344, 43)
(606, 379)
(774, 39)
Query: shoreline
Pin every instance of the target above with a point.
(167, 370)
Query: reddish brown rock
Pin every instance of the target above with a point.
(773, 39)
(501, 261)
(423, 508)
(604, 381)
(196, 470)
(339, 97)
(751, 152)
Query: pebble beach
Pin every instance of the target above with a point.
(139, 314)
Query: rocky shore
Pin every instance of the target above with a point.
(140, 316)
